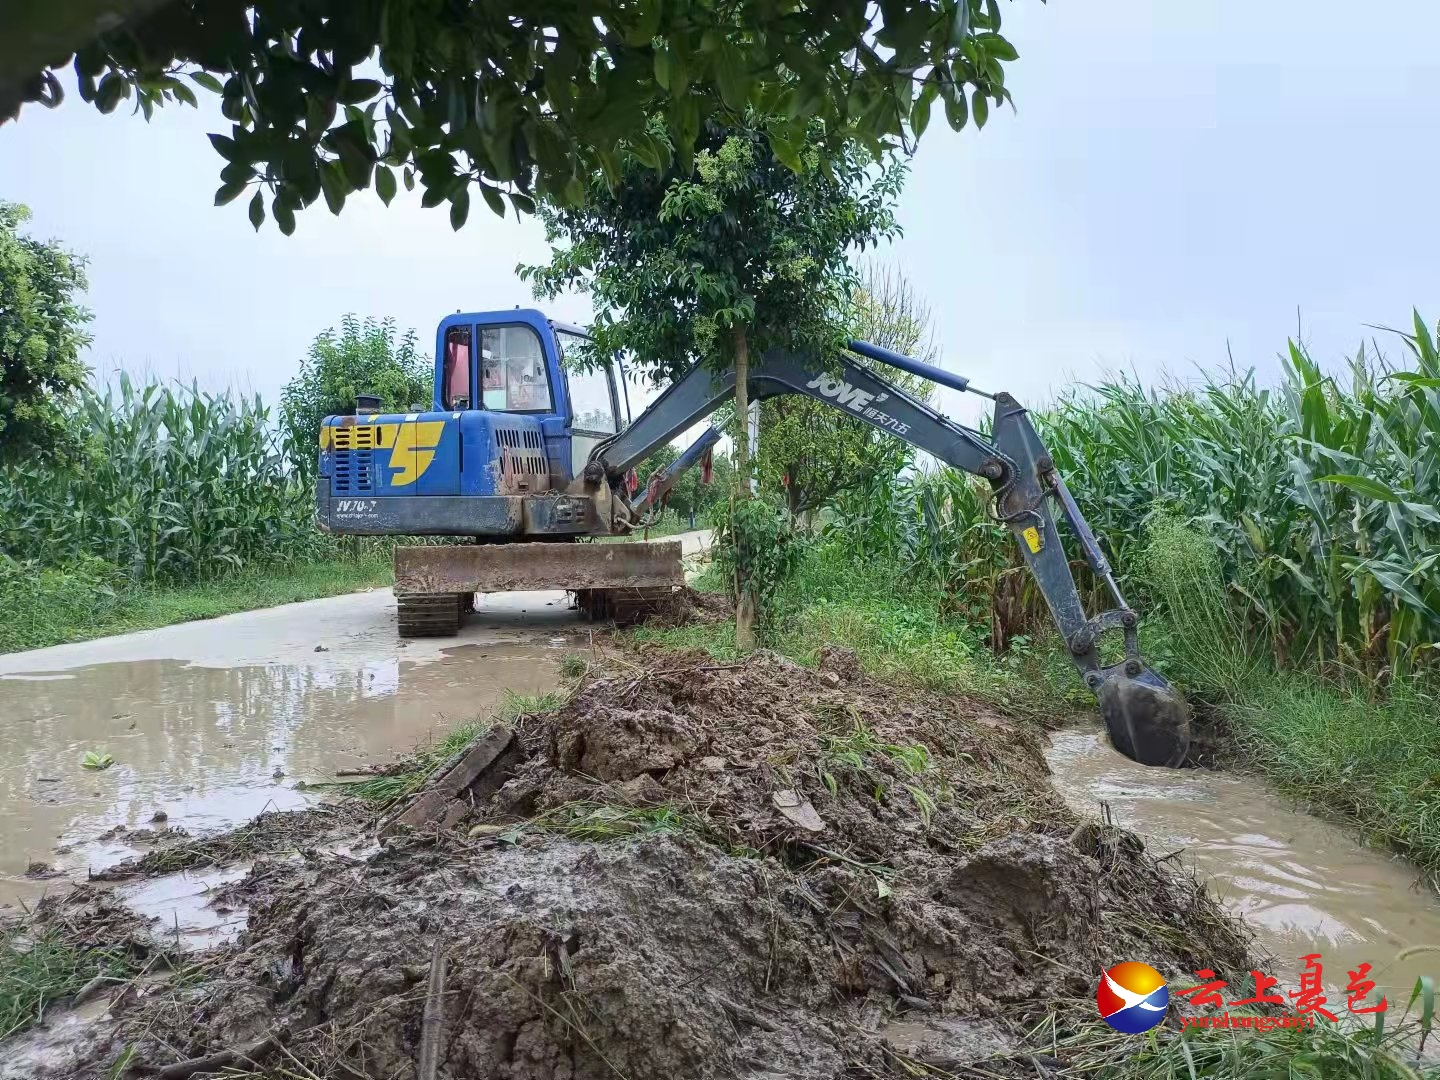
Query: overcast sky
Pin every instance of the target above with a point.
(1180, 174)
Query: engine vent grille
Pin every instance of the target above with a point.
(356, 437)
(521, 455)
(352, 471)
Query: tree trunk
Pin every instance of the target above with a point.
(745, 596)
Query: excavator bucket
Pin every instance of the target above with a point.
(1147, 718)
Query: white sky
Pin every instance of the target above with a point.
(1179, 175)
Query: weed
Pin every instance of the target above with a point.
(49, 606)
(37, 968)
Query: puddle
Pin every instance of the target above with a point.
(54, 1047)
(216, 722)
(181, 905)
(1303, 884)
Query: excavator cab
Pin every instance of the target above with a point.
(510, 420)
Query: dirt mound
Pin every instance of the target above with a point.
(802, 858)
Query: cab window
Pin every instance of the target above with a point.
(455, 377)
(513, 377)
(591, 399)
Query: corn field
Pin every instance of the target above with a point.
(173, 485)
(1322, 496)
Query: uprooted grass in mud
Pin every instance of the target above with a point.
(811, 864)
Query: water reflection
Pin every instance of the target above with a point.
(211, 746)
(1303, 884)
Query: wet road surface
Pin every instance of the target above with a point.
(211, 723)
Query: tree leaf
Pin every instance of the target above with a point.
(662, 67)
(920, 110)
(257, 210)
(359, 90)
(729, 72)
(786, 153)
(956, 111)
(333, 185)
(230, 192)
(459, 208)
(980, 107)
(225, 147)
(493, 199)
(112, 88)
(284, 216)
(996, 46)
(384, 184)
(208, 81)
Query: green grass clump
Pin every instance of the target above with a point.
(50, 606)
(901, 628)
(1374, 761)
(38, 968)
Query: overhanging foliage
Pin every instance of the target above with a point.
(510, 100)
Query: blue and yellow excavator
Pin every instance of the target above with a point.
(526, 452)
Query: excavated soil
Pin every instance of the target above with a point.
(701, 870)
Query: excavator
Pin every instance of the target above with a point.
(526, 452)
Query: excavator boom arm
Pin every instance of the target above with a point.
(1147, 719)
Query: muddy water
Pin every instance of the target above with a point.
(211, 723)
(1303, 884)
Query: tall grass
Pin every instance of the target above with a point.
(174, 485)
(1320, 498)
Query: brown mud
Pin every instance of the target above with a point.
(701, 870)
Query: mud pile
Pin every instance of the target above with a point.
(702, 870)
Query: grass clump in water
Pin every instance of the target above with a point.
(1371, 755)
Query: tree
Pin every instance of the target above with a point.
(517, 98)
(739, 255)
(363, 358)
(814, 451)
(42, 330)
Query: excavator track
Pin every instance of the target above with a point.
(432, 614)
(625, 606)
